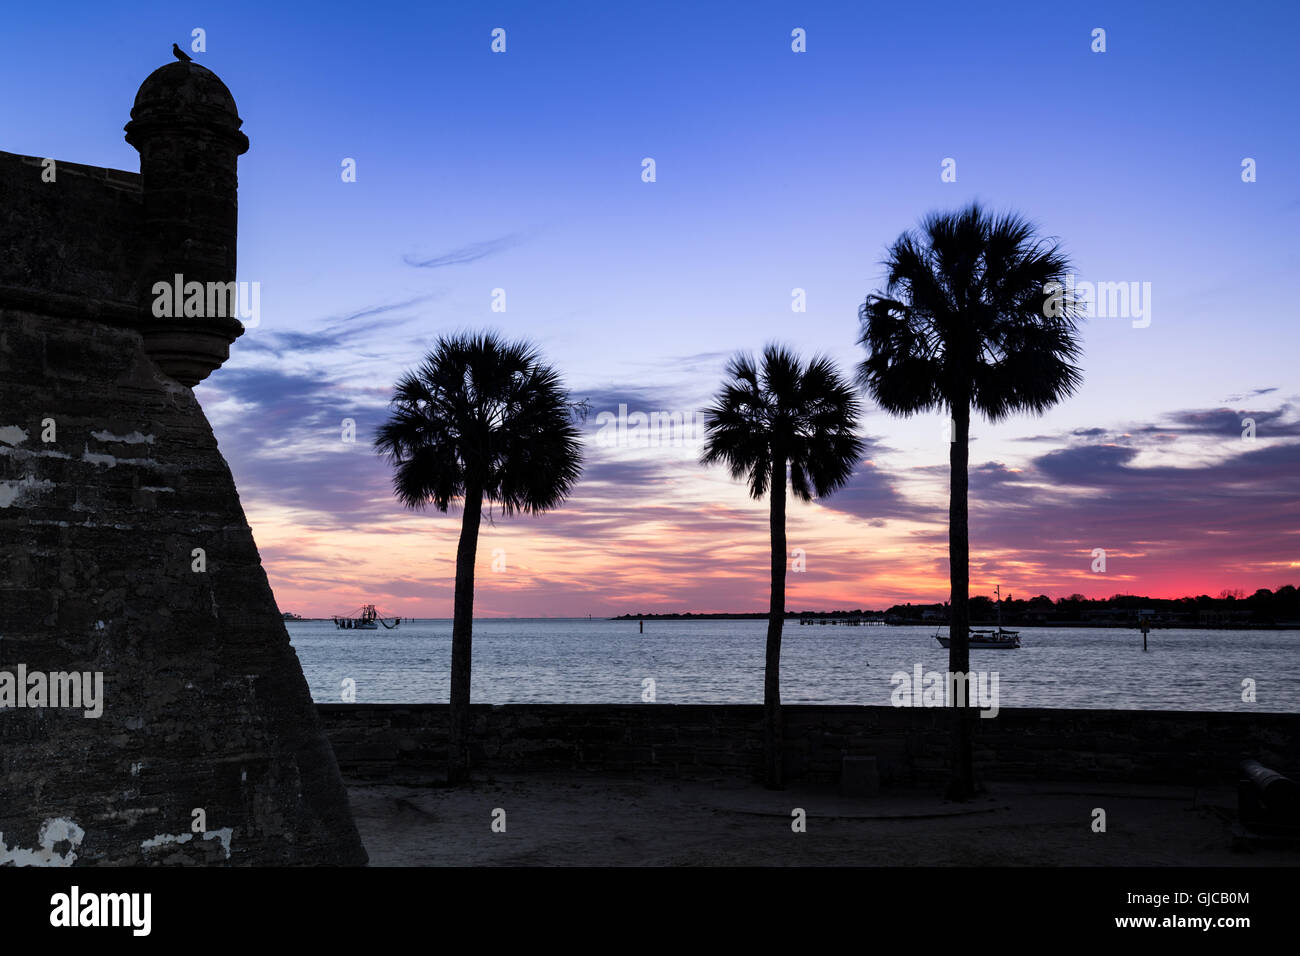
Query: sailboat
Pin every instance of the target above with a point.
(998, 638)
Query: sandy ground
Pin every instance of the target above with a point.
(608, 820)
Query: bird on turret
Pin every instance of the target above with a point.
(181, 54)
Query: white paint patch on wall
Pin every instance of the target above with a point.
(96, 458)
(12, 435)
(135, 438)
(223, 835)
(23, 453)
(19, 492)
(162, 839)
(132, 815)
(53, 831)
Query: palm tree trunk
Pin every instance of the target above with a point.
(773, 757)
(962, 784)
(462, 638)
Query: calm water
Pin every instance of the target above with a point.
(581, 661)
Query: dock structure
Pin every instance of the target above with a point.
(854, 620)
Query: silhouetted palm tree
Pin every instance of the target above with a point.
(481, 419)
(974, 315)
(792, 419)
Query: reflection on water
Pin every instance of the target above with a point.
(708, 662)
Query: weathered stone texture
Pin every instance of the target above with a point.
(76, 237)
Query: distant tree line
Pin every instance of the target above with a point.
(1231, 607)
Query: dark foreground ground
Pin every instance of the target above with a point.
(610, 820)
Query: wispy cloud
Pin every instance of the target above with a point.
(469, 253)
(343, 331)
(1211, 423)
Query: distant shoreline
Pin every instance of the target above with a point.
(836, 618)
(840, 618)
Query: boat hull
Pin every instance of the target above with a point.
(368, 619)
(1009, 641)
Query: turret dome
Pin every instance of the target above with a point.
(184, 94)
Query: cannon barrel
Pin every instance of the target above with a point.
(1278, 793)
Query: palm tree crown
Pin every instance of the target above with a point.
(804, 416)
(482, 415)
(973, 313)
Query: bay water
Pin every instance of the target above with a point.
(597, 661)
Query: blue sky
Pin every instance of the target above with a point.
(775, 170)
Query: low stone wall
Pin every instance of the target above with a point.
(389, 741)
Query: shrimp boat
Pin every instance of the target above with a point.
(365, 619)
(998, 638)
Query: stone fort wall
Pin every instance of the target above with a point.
(392, 741)
(124, 551)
